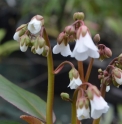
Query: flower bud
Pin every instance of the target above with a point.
(96, 38)
(75, 80)
(39, 18)
(45, 51)
(104, 52)
(70, 29)
(73, 73)
(33, 50)
(60, 37)
(24, 42)
(21, 27)
(91, 91)
(78, 16)
(117, 76)
(71, 38)
(65, 96)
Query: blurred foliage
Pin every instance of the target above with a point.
(58, 13)
(8, 47)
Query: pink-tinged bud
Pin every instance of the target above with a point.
(104, 52)
(39, 18)
(70, 29)
(117, 76)
(60, 37)
(120, 58)
(78, 16)
(84, 30)
(91, 91)
(96, 38)
(78, 33)
(108, 52)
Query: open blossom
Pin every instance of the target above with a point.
(34, 26)
(62, 48)
(85, 48)
(83, 113)
(98, 106)
(74, 83)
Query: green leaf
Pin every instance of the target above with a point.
(2, 34)
(9, 122)
(22, 99)
(8, 47)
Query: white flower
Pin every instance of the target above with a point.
(83, 113)
(98, 106)
(85, 48)
(107, 88)
(23, 47)
(62, 48)
(118, 80)
(34, 26)
(74, 83)
(39, 50)
(16, 36)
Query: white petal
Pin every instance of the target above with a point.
(93, 54)
(88, 42)
(61, 48)
(65, 50)
(98, 107)
(39, 50)
(34, 26)
(107, 88)
(118, 80)
(74, 83)
(79, 56)
(80, 47)
(16, 36)
(56, 49)
(23, 48)
(83, 113)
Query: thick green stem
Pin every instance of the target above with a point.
(50, 91)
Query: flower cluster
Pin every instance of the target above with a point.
(98, 104)
(84, 46)
(28, 35)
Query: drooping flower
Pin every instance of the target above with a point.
(83, 113)
(117, 75)
(75, 80)
(98, 106)
(85, 48)
(62, 48)
(19, 32)
(24, 43)
(34, 26)
(39, 50)
(23, 47)
(74, 83)
(16, 36)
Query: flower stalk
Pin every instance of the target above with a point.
(50, 92)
